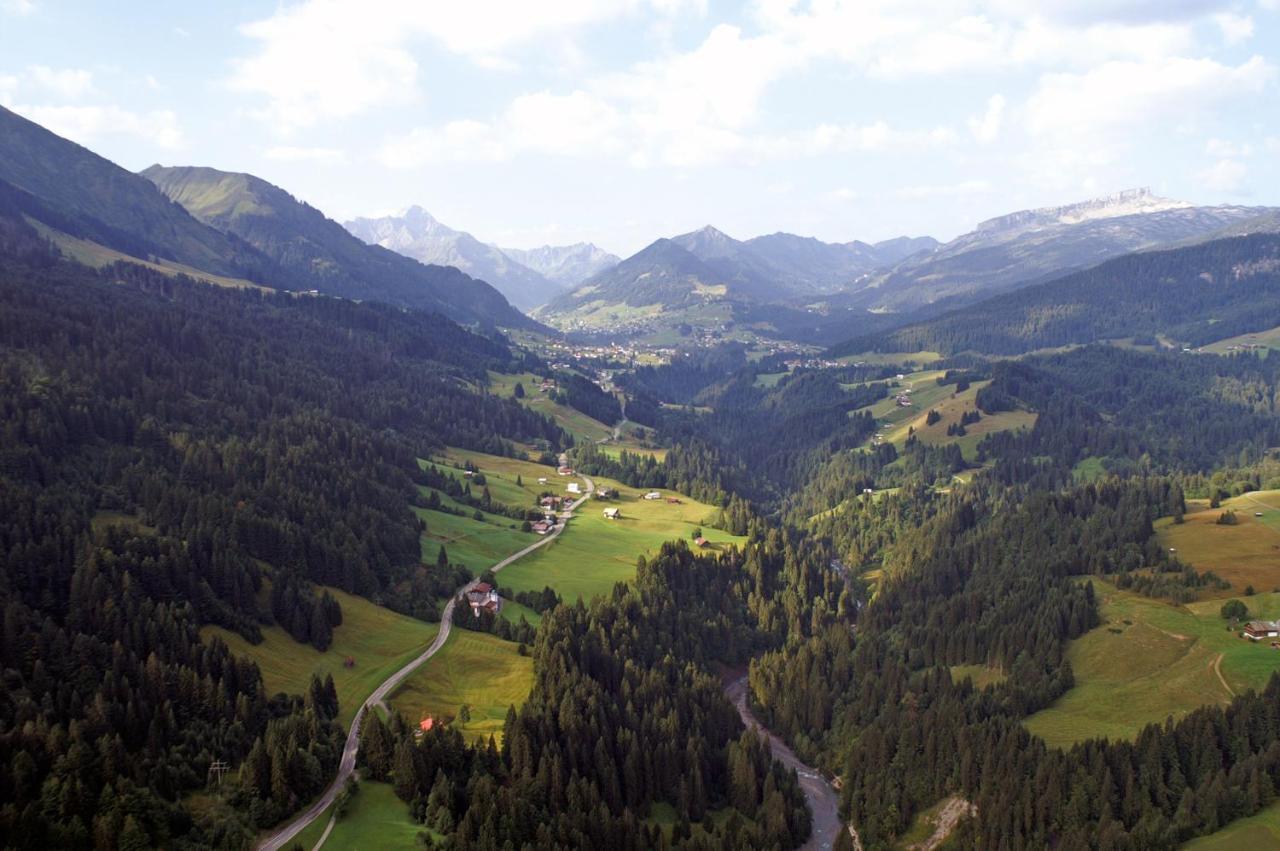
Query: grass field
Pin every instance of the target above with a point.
(570, 419)
(927, 394)
(884, 358)
(1268, 339)
(375, 818)
(477, 669)
(1247, 553)
(1089, 469)
(593, 553)
(98, 256)
(478, 544)
(378, 639)
(981, 675)
(1150, 660)
(1258, 831)
(768, 379)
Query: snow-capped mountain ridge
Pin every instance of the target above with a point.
(1130, 202)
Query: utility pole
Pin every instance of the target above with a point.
(219, 767)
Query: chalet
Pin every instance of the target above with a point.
(564, 471)
(573, 487)
(483, 597)
(542, 527)
(672, 500)
(612, 513)
(542, 480)
(468, 473)
(550, 502)
(604, 493)
(700, 541)
(653, 495)
(1258, 630)
(903, 400)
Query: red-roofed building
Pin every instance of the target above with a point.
(483, 597)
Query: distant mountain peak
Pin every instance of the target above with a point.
(1129, 202)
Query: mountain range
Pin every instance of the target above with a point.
(1190, 295)
(910, 278)
(226, 228)
(708, 264)
(1028, 246)
(526, 278)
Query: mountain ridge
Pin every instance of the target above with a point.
(319, 252)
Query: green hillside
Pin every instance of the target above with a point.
(318, 253)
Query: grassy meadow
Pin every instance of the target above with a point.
(1247, 553)
(895, 358)
(593, 552)
(570, 419)
(1150, 660)
(900, 423)
(476, 669)
(1261, 830)
(479, 544)
(375, 818)
(981, 675)
(379, 640)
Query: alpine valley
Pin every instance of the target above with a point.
(378, 535)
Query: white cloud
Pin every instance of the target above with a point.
(457, 141)
(1226, 175)
(65, 82)
(315, 66)
(318, 156)
(326, 59)
(986, 128)
(576, 123)
(962, 188)
(17, 7)
(1120, 94)
(1226, 149)
(85, 124)
(1235, 28)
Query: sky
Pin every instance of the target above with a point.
(619, 121)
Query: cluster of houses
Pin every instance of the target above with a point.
(483, 597)
(810, 363)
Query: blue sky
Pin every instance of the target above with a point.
(617, 121)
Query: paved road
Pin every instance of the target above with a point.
(817, 791)
(346, 767)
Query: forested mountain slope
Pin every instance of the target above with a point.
(318, 253)
(1194, 295)
(170, 448)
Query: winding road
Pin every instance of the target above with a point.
(281, 836)
(817, 791)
